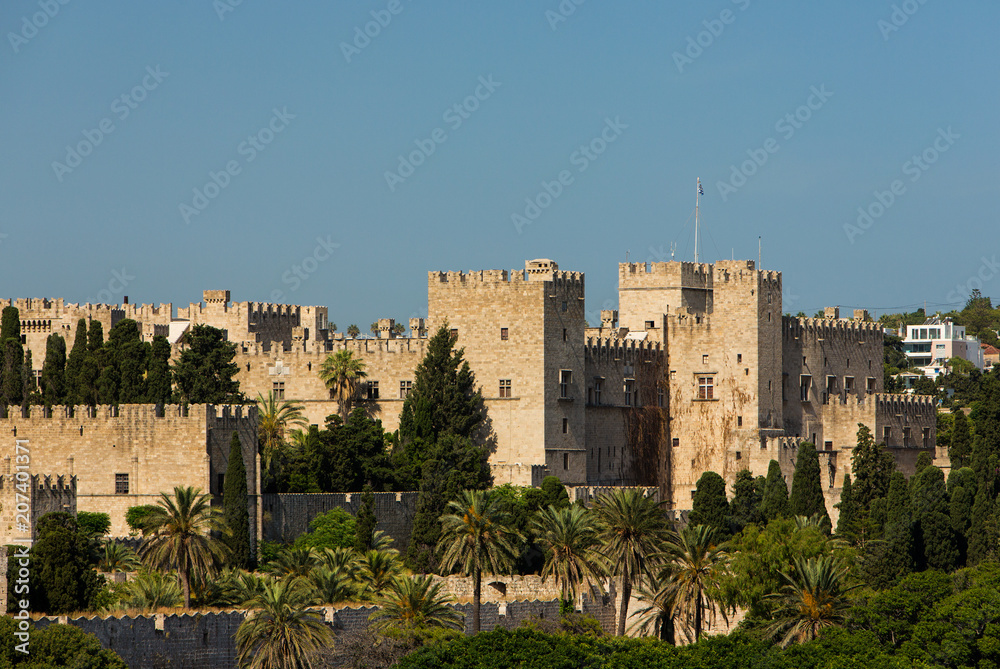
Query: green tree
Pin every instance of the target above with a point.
(11, 381)
(366, 522)
(159, 383)
(709, 505)
(275, 418)
(475, 538)
(353, 331)
(335, 528)
(55, 645)
(379, 568)
(416, 603)
(74, 362)
(850, 512)
(572, 553)
(354, 454)
(93, 523)
(29, 383)
(91, 365)
(118, 558)
(10, 324)
(895, 556)
(342, 373)
(748, 494)
(807, 489)
(283, 632)
(695, 565)
(936, 537)
(54, 370)
(62, 576)
(205, 370)
(961, 495)
(872, 466)
(631, 528)
(179, 537)
(813, 599)
(775, 501)
(235, 503)
(961, 441)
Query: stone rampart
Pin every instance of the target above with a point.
(287, 515)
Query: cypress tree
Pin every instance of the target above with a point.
(205, 370)
(747, 495)
(850, 513)
(983, 532)
(775, 502)
(10, 324)
(872, 466)
(807, 489)
(235, 504)
(365, 521)
(54, 370)
(709, 505)
(158, 381)
(961, 441)
(74, 363)
(95, 336)
(11, 376)
(935, 535)
(923, 462)
(961, 495)
(29, 385)
(90, 371)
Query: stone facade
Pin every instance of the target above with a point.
(42, 494)
(127, 455)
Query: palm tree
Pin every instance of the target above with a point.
(694, 566)
(416, 602)
(331, 587)
(813, 599)
(475, 538)
(178, 536)
(118, 558)
(282, 633)
(343, 560)
(657, 617)
(353, 331)
(569, 538)
(341, 372)
(294, 563)
(378, 570)
(151, 591)
(631, 529)
(274, 419)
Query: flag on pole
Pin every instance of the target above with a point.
(701, 191)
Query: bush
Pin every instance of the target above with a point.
(94, 523)
(136, 516)
(55, 646)
(334, 529)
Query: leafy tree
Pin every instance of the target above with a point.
(572, 553)
(415, 603)
(95, 336)
(354, 454)
(872, 466)
(10, 324)
(87, 391)
(29, 384)
(11, 381)
(812, 600)
(342, 373)
(366, 521)
(895, 556)
(748, 494)
(236, 506)
(333, 529)
(126, 360)
(54, 370)
(373, 328)
(631, 528)
(62, 576)
(159, 383)
(138, 516)
(204, 373)
(74, 363)
(807, 489)
(961, 495)
(178, 537)
(55, 645)
(850, 512)
(695, 565)
(294, 562)
(775, 501)
(930, 501)
(353, 331)
(93, 523)
(961, 441)
(475, 538)
(283, 632)
(709, 505)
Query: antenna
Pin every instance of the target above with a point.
(759, 266)
(673, 249)
(697, 194)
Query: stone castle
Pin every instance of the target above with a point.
(697, 370)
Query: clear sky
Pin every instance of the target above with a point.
(157, 149)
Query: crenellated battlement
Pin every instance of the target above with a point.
(613, 348)
(500, 276)
(903, 403)
(42, 484)
(848, 329)
(128, 414)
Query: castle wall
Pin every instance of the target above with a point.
(156, 450)
(287, 515)
(647, 291)
(46, 494)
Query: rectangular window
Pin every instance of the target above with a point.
(828, 445)
(706, 390)
(849, 384)
(454, 333)
(220, 483)
(404, 389)
(704, 359)
(870, 382)
(886, 433)
(565, 337)
(565, 306)
(504, 387)
(804, 382)
(373, 390)
(598, 386)
(278, 388)
(504, 334)
(675, 442)
(629, 391)
(565, 460)
(661, 398)
(739, 358)
(649, 325)
(121, 484)
(739, 421)
(906, 437)
(565, 425)
(565, 379)
(926, 437)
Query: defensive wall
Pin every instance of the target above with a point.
(46, 494)
(126, 455)
(287, 515)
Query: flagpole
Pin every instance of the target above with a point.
(697, 194)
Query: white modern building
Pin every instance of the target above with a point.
(930, 345)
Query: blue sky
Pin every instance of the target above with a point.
(343, 171)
